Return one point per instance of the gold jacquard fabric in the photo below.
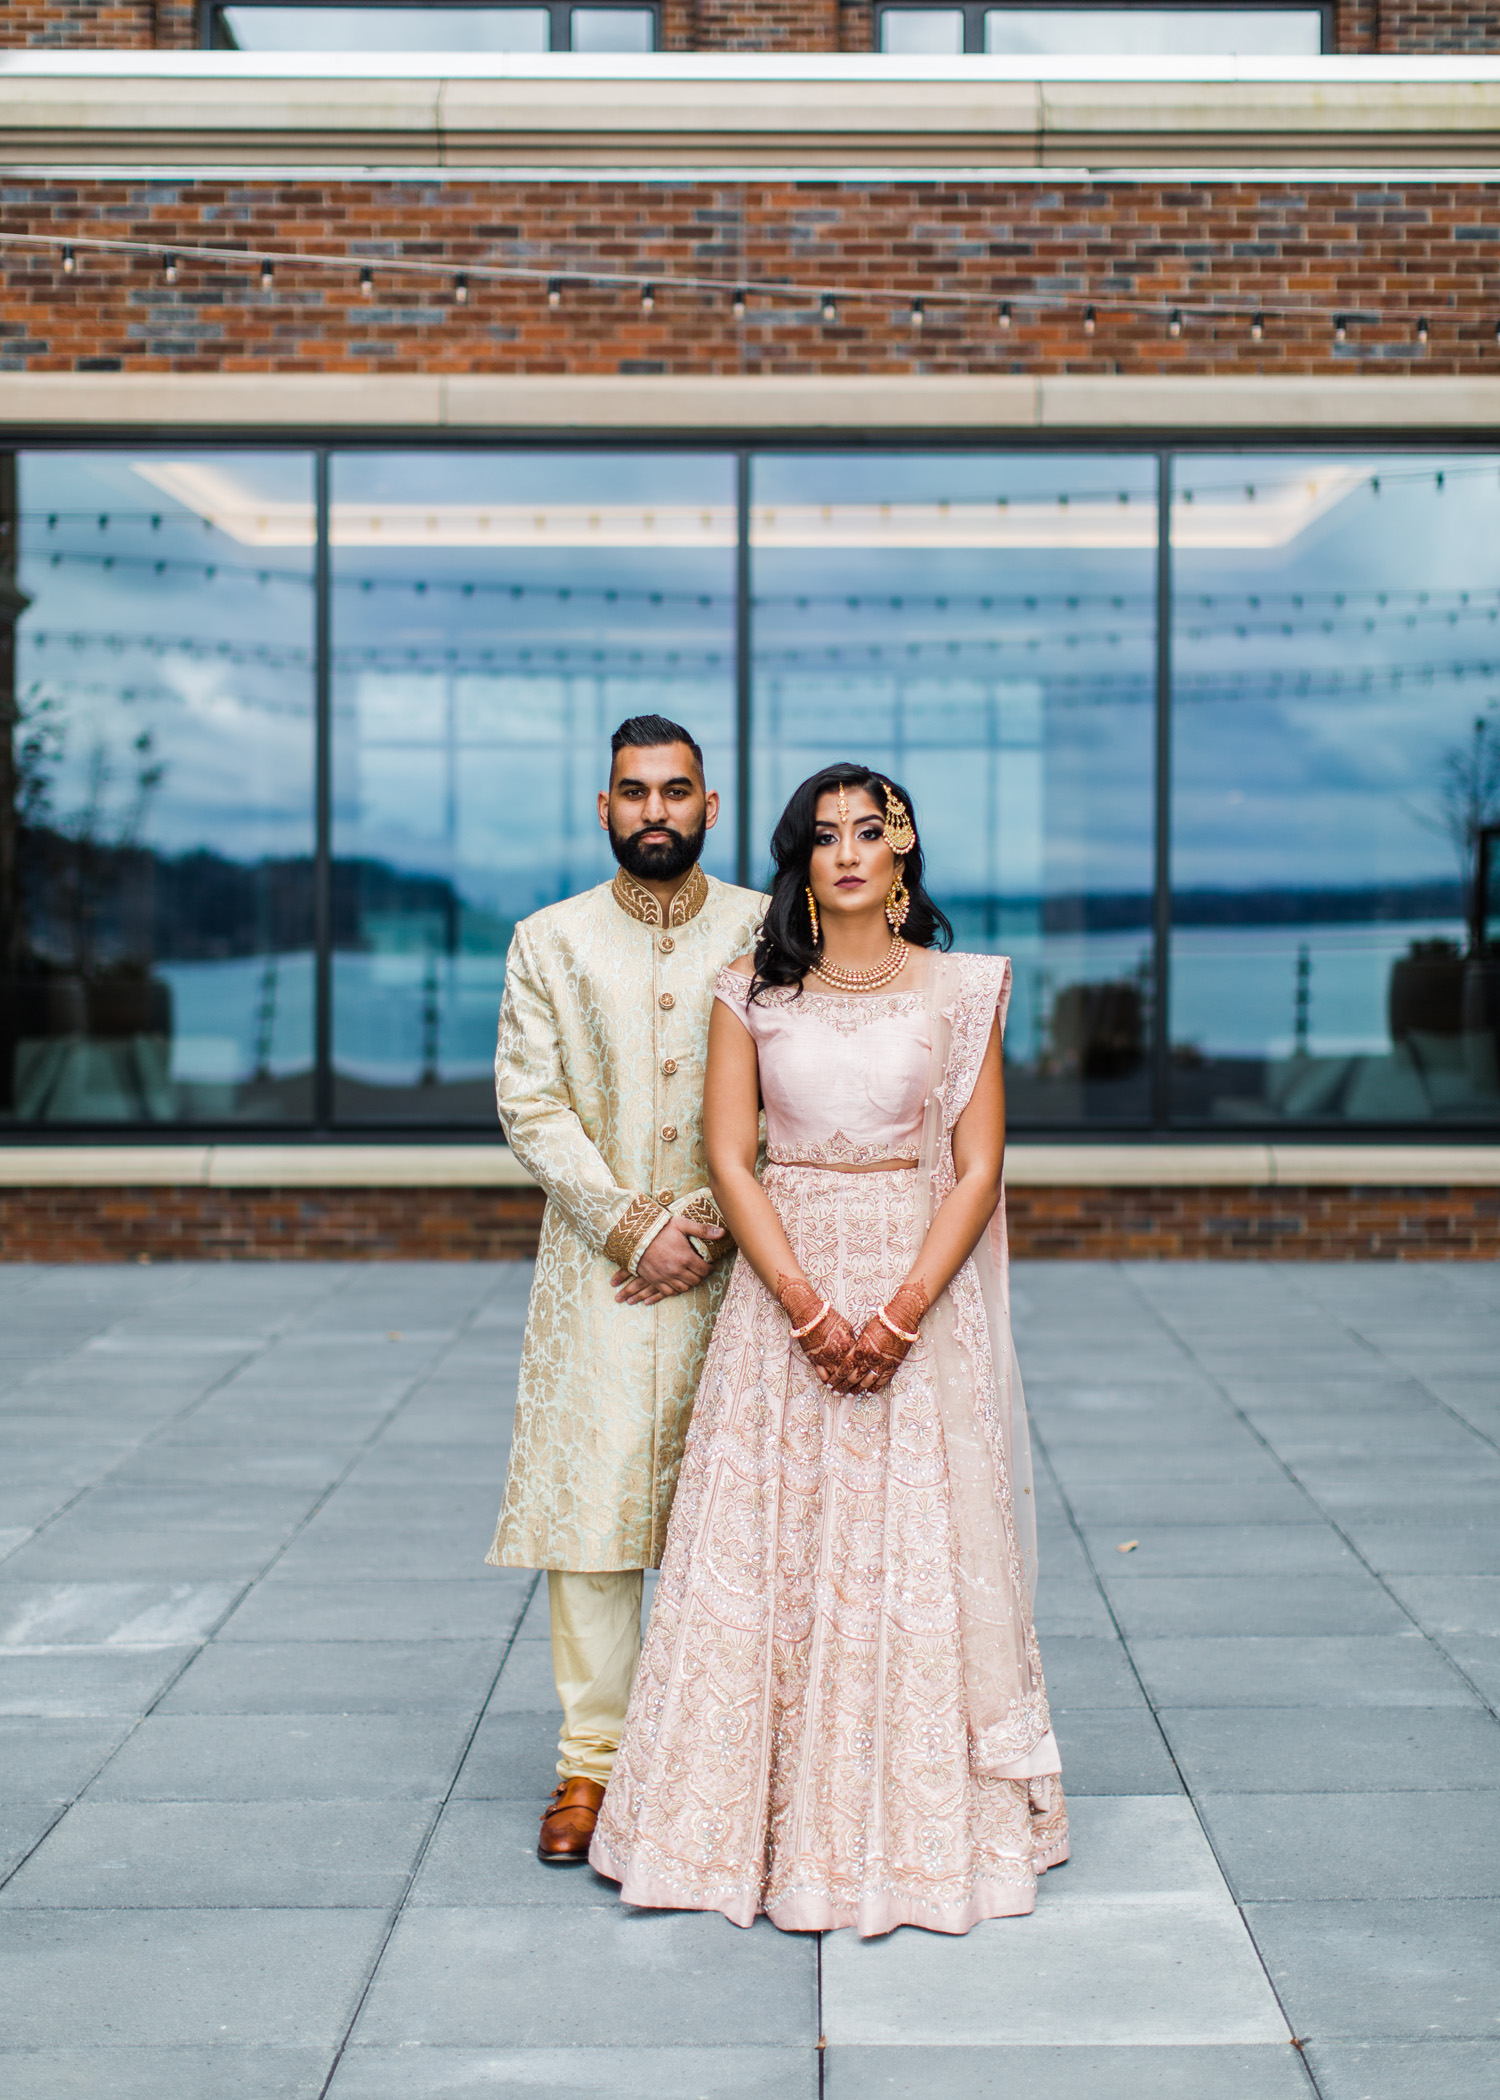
(599, 1078)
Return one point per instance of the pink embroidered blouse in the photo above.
(843, 1076)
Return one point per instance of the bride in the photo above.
(839, 1717)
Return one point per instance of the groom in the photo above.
(599, 1077)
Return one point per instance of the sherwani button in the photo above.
(664, 1197)
(669, 1131)
(666, 1002)
(669, 1065)
(667, 944)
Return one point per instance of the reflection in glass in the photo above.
(922, 32)
(1152, 32)
(156, 814)
(361, 29)
(495, 616)
(984, 626)
(613, 29)
(1337, 756)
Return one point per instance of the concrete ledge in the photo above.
(417, 1166)
(703, 111)
(728, 405)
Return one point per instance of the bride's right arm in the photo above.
(731, 1136)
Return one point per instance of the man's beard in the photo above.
(658, 860)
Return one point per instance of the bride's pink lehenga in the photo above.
(840, 1718)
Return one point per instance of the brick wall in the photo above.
(738, 25)
(1426, 249)
(447, 1224)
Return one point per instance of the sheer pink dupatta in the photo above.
(983, 1407)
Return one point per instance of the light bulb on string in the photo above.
(1174, 321)
(1340, 329)
(1422, 331)
(554, 291)
(1257, 326)
(1090, 320)
(648, 298)
(918, 313)
(267, 276)
(367, 282)
(69, 262)
(830, 310)
(737, 303)
(1003, 317)
(169, 268)
(461, 289)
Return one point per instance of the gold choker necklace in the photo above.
(865, 980)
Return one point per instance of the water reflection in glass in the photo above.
(156, 813)
(1337, 751)
(984, 626)
(495, 616)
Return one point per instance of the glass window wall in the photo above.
(156, 812)
(1336, 665)
(985, 623)
(984, 626)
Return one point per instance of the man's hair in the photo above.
(648, 733)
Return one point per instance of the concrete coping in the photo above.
(493, 1165)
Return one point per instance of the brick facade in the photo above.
(1399, 251)
(735, 25)
(448, 1224)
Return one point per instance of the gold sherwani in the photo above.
(599, 1078)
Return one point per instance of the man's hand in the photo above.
(668, 1267)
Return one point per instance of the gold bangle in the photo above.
(816, 1321)
(887, 1322)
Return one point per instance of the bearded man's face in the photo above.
(657, 812)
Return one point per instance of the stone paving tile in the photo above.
(641, 2073)
(54, 1760)
(79, 1683)
(286, 1757)
(477, 1609)
(1405, 2070)
(1270, 2072)
(256, 2072)
(1451, 1603)
(22, 1825)
(1220, 1549)
(1333, 1749)
(1165, 1605)
(174, 1976)
(256, 1855)
(1112, 1750)
(119, 1614)
(1383, 1971)
(341, 1677)
(484, 1854)
(1289, 1847)
(489, 1976)
(513, 1757)
(1460, 1548)
(1370, 1669)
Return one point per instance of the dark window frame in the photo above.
(1169, 449)
(974, 12)
(561, 12)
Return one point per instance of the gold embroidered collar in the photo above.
(633, 897)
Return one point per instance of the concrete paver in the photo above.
(272, 1740)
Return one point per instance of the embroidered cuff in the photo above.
(642, 1220)
(701, 1209)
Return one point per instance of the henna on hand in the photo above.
(879, 1351)
(829, 1339)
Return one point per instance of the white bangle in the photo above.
(816, 1321)
(889, 1324)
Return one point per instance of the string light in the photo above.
(69, 262)
(461, 290)
(267, 275)
(1090, 320)
(1004, 315)
(830, 309)
(1257, 326)
(1340, 329)
(554, 291)
(648, 298)
(169, 268)
(367, 282)
(1174, 323)
(737, 303)
(918, 313)
(1422, 331)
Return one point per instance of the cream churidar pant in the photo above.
(596, 1646)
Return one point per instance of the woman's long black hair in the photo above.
(786, 951)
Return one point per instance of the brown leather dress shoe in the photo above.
(568, 1823)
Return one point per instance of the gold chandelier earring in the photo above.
(897, 903)
(812, 913)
